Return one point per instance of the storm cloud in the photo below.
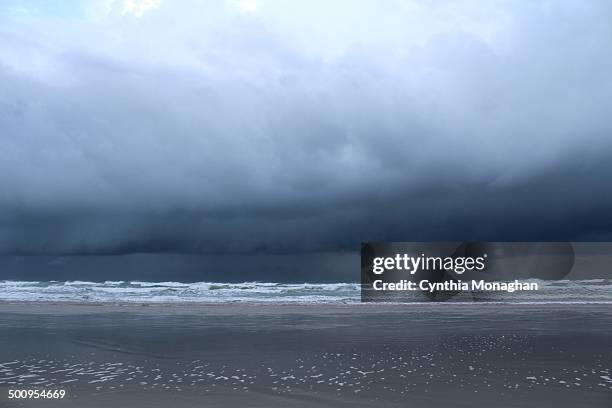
(268, 127)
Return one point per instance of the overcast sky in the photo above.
(270, 126)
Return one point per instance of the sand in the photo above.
(333, 355)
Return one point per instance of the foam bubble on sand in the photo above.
(381, 371)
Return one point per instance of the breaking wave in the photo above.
(214, 292)
(576, 291)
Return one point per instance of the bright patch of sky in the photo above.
(44, 8)
(76, 9)
(319, 27)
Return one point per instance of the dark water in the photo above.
(414, 355)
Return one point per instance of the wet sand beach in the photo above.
(309, 355)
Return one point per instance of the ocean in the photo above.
(574, 291)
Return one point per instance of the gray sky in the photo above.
(262, 126)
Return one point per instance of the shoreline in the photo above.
(79, 307)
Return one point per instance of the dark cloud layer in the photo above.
(321, 267)
(233, 136)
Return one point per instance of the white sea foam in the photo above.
(139, 291)
(584, 291)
